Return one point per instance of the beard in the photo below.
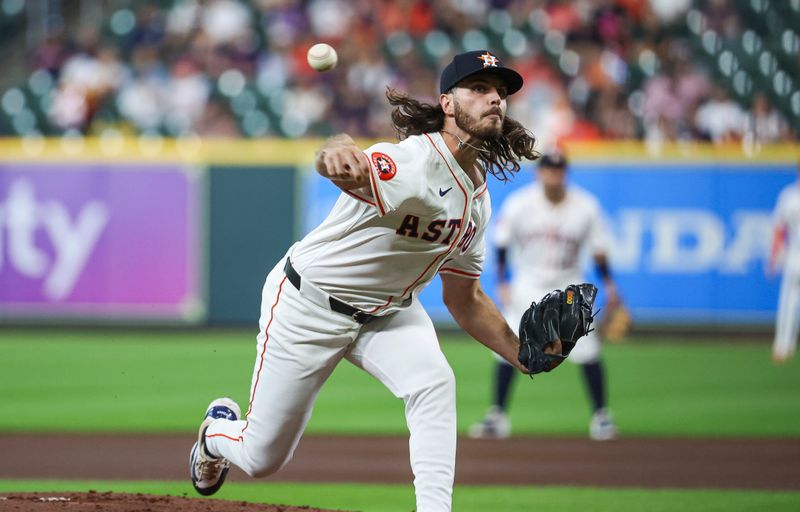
(470, 125)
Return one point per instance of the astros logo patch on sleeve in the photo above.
(385, 166)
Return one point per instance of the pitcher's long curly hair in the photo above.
(413, 117)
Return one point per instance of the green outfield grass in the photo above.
(396, 498)
(160, 381)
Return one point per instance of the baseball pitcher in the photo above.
(348, 290)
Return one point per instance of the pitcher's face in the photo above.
(479, 106)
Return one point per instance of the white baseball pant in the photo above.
(300, 342)
(788, 316)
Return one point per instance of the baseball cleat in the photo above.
(495, 425)
(602, 427)
(209, 472)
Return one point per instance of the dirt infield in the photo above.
(121, 502)
(643, 462)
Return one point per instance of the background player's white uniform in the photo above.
(547, 246)
(787, 216)
(375, 251)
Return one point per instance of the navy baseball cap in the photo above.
(553, 159)
(467, 64)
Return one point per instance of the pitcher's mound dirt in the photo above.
(121, 502)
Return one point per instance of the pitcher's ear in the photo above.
(446, 102)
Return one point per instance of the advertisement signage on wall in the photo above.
(100, 241)
(690, 240)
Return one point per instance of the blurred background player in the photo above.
(542, 232)
(786, 253)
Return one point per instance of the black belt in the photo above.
(336, 305)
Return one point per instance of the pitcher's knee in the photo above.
(263, 464)
(442, 382)
(447, 378)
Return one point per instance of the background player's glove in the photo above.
(616, 323)
(560, 315)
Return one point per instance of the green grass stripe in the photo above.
(113, 380)
(393, 498)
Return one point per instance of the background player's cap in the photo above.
(467, 64)
(554, 158)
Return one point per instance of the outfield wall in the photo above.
(185, 231)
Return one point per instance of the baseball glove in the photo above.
(560, 316)
(616, 323)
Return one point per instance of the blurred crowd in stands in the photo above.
(603, 69)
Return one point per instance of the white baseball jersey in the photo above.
(787, 213)
(381, 245)
(546, 242)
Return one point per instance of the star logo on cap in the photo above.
(488, 59)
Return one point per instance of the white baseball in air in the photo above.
(322, 57)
